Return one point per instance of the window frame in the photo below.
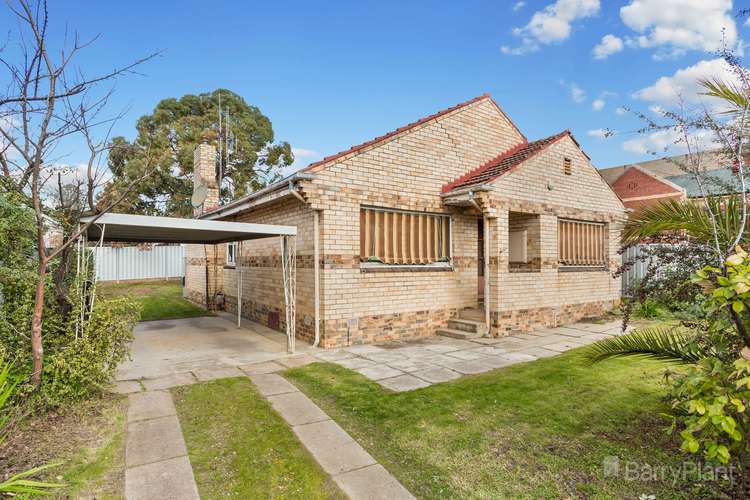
(438, 265)
(604, 250)
(233, 261)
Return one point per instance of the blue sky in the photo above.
(333, 74)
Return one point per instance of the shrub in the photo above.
(83, 346)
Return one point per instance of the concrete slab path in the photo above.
(406, 366)
(354, 470)
(156, 461)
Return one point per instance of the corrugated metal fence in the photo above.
(138, 263)
(639, 268)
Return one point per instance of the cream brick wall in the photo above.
(539, 186)
(405, 173)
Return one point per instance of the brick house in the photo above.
(426, 223)
(647, 183)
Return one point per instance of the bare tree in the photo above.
(48, 102)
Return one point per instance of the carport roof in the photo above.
(152, 229)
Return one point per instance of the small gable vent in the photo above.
(567, 166)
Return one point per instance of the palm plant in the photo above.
(19, 484)
(662, 343)
(717, 219)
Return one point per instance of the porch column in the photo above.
(497, 262)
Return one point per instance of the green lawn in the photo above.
(240, 447)
(543, 429)
(158, 299)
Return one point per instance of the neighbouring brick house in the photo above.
(647, 183)
(413, 228)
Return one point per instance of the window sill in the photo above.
(377, 267)
(230, 266)
(577, 269)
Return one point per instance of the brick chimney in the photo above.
(204, 173)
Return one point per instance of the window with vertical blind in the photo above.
(403, 237)
(581, 243)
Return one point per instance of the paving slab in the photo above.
(378, 372)
(540, 352)
(206, 374)
(466, 355)
(332, 447)
(403, 383)
(296, 408)
(411, 365)
(565, 345)
(154, 440)
(387, 357)
(517, 357)
(595, 337)
(261, 368)
(147, 405)
(372, 483)
(355, 363)
(169, 480)
(270, 384)
(571, 332)
(470, 367)
(513, 344)
(488, 350)
(436, 375)
(333, 355)
(486, 340)
(297, 361)
(442, 348)
(174, 380)
(360, 350)
(126, 387)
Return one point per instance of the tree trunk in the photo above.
(37, 351)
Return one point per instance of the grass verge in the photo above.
(158, 299)
(88, 440)
(545, 429)
(240, 447)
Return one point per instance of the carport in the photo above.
(126, 228)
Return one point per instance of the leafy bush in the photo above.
(710, 406)
(83, 346)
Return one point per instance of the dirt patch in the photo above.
(73, 437)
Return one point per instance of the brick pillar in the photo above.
(204, 173)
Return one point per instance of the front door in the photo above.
(480, 261)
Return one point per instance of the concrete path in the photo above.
(354, 470)
(405, 366)
(156, 461)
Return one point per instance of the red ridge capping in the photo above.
(399, 130)
(504, 162)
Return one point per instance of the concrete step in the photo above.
(467, 325)
(457, 334)
(472, 315)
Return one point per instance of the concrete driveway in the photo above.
(168, 347)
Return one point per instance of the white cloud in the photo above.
(518, 6)
(675, 26)
(551, 25)
(610, 44)
(600, 133)
(302, 158)
(620, 111)
(667, 140)
(682, 86)
(576, 92)
(598, 104)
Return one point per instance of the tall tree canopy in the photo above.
(248, 159)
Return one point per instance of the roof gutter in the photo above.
(467, 190)
(253, 199)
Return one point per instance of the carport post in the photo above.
(238, 253)
(289, 273)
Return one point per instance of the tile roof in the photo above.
(405, 128)
(715, 183)
(503, 163)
